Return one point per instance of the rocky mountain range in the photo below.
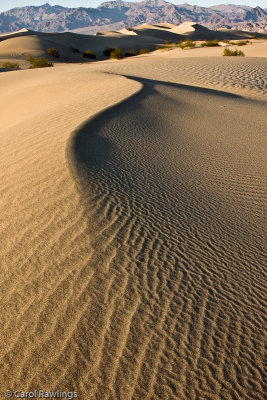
(118, 14)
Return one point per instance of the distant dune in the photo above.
(189, 27)
(133, 220)
(72, 45)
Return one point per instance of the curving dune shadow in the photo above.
(166, 185)
(89, 147)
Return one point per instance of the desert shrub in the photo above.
(130, 53)
(108, 51)
(226, 41)
(39, 62)
(228, 52)
(116, 54)
(53, 52)
(210, 43)
(10, 65)
(242, 42)
(179, 42)
(254, 37)
(144, 51)
(159, 47)
(168, 42)
(187, 43)
(89, 54)
(75, 50)
(190, 44)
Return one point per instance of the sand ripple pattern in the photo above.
(245, 76)
(140, 276)
(177, 226)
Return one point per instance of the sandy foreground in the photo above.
(133, 226)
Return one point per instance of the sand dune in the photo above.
(21, 32)
(186, 27)
(68, 43)
(133, 226)
(126, 31)
(240, 75)
(72, 45)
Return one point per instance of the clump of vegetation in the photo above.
(242, 42)
(130, 53)
(228, 52)
(254, 37)
(190, 44)
(116, 54)
(226, 41)
(39, 62)
(168, 42)
(108, 51)
(210, 43)
(53, 52)
(75, 50)
(144, 51)
(159, 47)
(10, 65)
(89, 54)
(187, 43)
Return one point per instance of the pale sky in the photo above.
(8, 4)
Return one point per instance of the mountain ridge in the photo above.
(120, 14)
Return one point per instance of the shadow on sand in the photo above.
(90, 149)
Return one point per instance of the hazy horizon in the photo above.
(9, 4)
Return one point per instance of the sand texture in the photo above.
(133, 228)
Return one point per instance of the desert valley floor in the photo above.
(133, 227)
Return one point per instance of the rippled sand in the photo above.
(133, 225)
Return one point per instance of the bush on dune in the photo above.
(117, 54)
(10, 65)
(187, 43)
(238, 53)
(130, 53)
(53, 52)
(210, 43)
(108, 51)
(89, 54)
(144, 51)
(242, 42)
(39, 62)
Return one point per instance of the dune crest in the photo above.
(189, 26)
(133, 225)
(126, 31)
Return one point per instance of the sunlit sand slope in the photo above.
(44, 276)
(133, 226)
